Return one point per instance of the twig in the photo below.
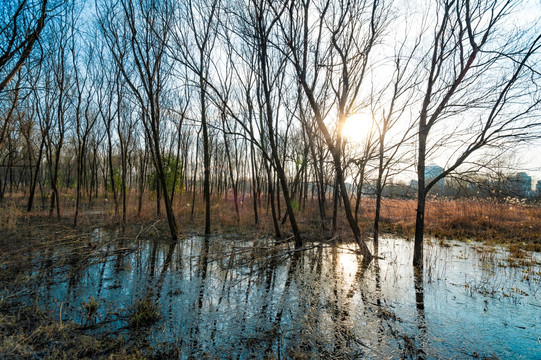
(142, 228)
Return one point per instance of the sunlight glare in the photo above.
(357, 128)
(350, 264)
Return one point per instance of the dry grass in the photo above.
(509, 222)
(505, 223)
(28, 333)
(9, 215)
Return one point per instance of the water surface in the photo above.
(227, 298)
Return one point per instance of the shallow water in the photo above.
(227, 298)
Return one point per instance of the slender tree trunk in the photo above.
(318, 170)
(206, 152)
(255, 181)
(111, 169)
(124, 190)
(35, 177)
(194, 183)
(270, 192)
(78, 187)
(336, 194)
(143, 162)
(278, 165)
(421, 201)
(158, 197)
(154, 122)
(379, 190)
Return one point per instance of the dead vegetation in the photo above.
(507, 223)
(500, 222)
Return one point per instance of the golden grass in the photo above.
(10, 214)
(510, 222)
(477, 219)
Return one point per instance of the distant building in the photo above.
(431, 172)
(520, 185)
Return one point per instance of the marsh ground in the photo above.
(103, 291)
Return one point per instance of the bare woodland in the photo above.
(249, 101)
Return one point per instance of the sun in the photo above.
(357, 128)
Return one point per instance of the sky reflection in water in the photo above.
(229, 298)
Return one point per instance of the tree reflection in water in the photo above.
(227, 298)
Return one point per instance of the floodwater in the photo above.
(224, 298)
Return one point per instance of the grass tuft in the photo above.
(145, 313)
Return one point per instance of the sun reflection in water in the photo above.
(349, 264)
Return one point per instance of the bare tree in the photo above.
(85, 115)
(263, 22)
(481, 72)
(193, 45)
(21, 25)
(61, 84)
(138, 44)
(390, 109)
(329, 52)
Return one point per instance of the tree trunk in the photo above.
(35, 177)
(379, 190)
(421, 201)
